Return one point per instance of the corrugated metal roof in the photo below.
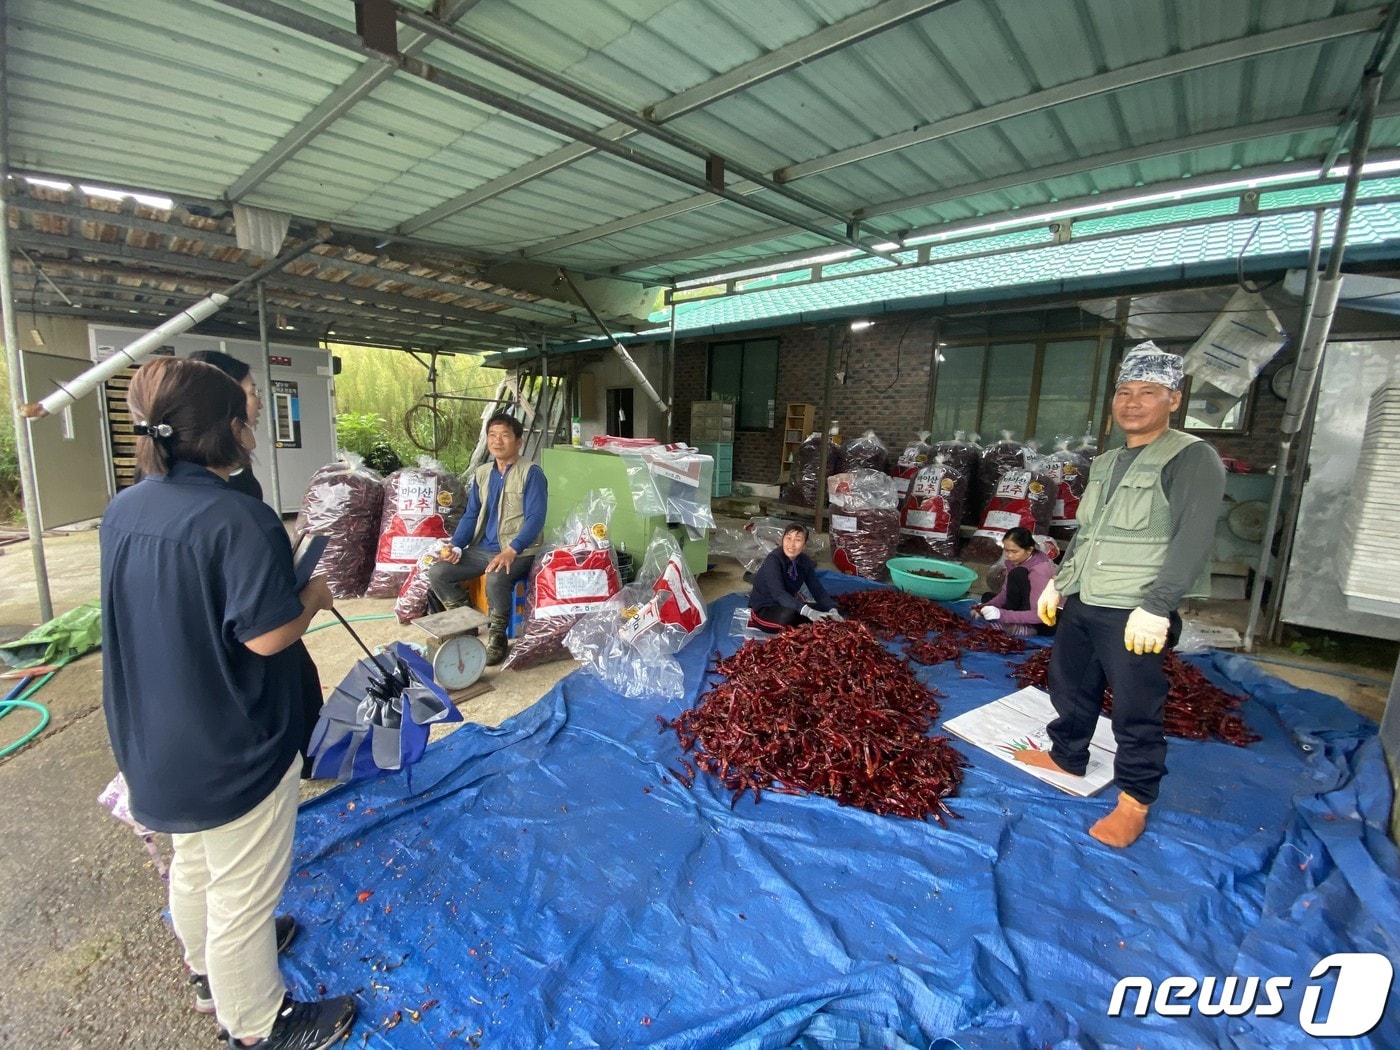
(504, 128)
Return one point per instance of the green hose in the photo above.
(6, 706)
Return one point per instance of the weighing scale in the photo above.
(456, 653)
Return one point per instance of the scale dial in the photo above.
(459, 661)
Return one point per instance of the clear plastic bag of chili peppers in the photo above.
(1087, 446)
(576, 573)
(965, 455)
(864, 522)
(412, 601)
(910, 462)
(801, 489)
(823, 709)
(422, 506)
(869, 452)
(1071, 473)
(344, 501)
(997, 458)
(930, 514)
(1024, 498)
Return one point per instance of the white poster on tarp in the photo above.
(1239, 342)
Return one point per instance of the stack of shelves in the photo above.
(711, 421)
(800, 421)
(722, 452)
(120, 439)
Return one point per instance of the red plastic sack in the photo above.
(1024, 498)
(422, 506)
(932, 511)
(965, 456)
(1071, 473)
(910, 462)
(575, 580)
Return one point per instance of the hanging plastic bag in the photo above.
(345, 502)
(412, 601)
(864, 522)
(422, 506)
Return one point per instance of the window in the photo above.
(747, 373)
(1043, 389)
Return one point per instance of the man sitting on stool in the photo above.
(499, 533)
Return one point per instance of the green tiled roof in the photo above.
(1025, 261)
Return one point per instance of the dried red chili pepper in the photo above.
(1196, 708)
(825, 709)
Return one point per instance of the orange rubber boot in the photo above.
(1123, 826)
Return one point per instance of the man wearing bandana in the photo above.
(1146, 524)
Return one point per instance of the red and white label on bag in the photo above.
(926, 512)
(675, 602)
(1010, 507)
(574, 580)
(417, 496)
(402, 544)
(1066, 511)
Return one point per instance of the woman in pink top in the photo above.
(1027, 572)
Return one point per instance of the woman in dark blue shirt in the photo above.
(776, 600)
(201, 689)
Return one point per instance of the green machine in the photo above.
(572, 472)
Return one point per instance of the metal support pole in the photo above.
(24, 446)
(671, 380)
(824, 434)
(1256, 597)
(271, 403)
(547, 426)
(619, 349)
(1319, 325)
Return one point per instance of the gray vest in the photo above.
(1122, 543)
(511, 508)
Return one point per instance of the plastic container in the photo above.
(959, 577)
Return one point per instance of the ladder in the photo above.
(541, 404)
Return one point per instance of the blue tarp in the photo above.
(550, 885)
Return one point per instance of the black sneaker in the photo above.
(307, 1026)
(286, 927)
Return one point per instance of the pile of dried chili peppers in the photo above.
(1196, 708)
(892, 614)
(824, 709)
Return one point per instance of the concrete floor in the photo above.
(91, 962)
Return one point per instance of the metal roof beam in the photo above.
(1381, 55)
(1115, 80)
(834, 37)
(1175, 65)
(459, 85)
(334, 106)
(331, 291)
(474, 45)
(1081, 166)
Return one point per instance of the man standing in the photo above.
(499, 533)
(1146, 524)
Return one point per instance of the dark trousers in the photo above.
(773, 618)
(446, 579)
(1089, 654)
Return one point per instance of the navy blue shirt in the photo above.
(780, 579)
(202, 727)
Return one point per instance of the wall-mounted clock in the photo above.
(1281, 382)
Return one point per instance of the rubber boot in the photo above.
(1122, 827)
(496, 644)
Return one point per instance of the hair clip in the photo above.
(153, 430)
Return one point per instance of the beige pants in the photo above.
(224, 888)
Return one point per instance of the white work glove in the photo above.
(831, 614)
(991, 613)
(1049, 605)
(810, 613)
(1146, 632)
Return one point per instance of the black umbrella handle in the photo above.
(346, 624)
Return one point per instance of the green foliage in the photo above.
(10, 504)
(377, 388)
(358, 432)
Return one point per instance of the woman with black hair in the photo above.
(776, 600)
(240, 480)
(201, 692)
(1028, 570)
